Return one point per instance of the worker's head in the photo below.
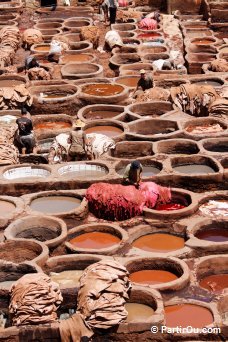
(167, 65)
(24, 111)
(79, 124)
(33, 62)
(142, 73)
(135, 165)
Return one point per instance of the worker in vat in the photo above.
(132, 174)
(77, 141)
(145, 82)
(25, 138)
(31, 62)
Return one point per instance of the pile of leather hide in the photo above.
(15, 97)
(130, 13)
(219, 107)
(9, 43)
(194, 99)
(217, 65)
(31, 36)
(38, 73)
(34, 300)
(92, 34)
(8, 152)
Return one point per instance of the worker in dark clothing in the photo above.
(25, 136)
(111, 7)
(145, 82)
(132, 173)
(31, 62)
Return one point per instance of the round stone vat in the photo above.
(124, 27)
(214, 205)
(11, 80)
(177, 146)
(153, 129)
(196, 166)
(11, 272)
(111, 128)
(74, 25)
(151, 57)
(49, 34)
(208, 234)
(66, 270)
(158, 273)
(99, 112)
(77, 58)
(150, 168)
(50, 230)
(203, 41)
(83, 171)
(58, 98)
(152, 49)
(102, 238)
(145, 308)
(188, 313)
(48, 25)
(103, 93)
(46, 127)
(127, 34)
(150, 109)
(81, 70)
(128, 49)
(10, 208)
(26, 172)
(72, 37)
(42, 48)
(213, 81)
(132, 150)
(134, 69)
(149, 36)
(119, 59)
(129, 81)
(183, 203)
(215, 145)
(153, 241)
(131, 42)
(81, 47)
(200, 128)
(55, 20)
(21, 250)
(212, 273)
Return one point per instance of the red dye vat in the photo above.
(169, 206)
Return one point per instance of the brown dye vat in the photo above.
(203, 42)
(138, 312)
(213, 234)
(185, 315)
(102, 89)
(194, 169)
(52, 125)
(10, 83)
(152, 277)
(129, 81)
(159, 242)
(215, 283)
(17, 255)
(67, 278)
(110, 131)
(55, 96)
(95, 240)
(100, 114)
(75, 58)
(42, 48)
(55, 204)
(39, 233)
(148, 171)
(208, 82)
(6, 208)
(148, 35)
(207, 128)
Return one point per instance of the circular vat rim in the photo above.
(189, 142)
(103, 165)
(34, 89)
(110, 99)
(67, 75)
(104, 122)
(87, 108)
(27, 178)
(217, 195)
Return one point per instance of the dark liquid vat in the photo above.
(213, 234)
(159, 243)
(102, 89)
(110, 131)
(101, 114)
(95, 240)
(6, 208)
(215, 283)
(55, 204)
(185, 315)
(138, 312)
(76, 58)
(194, 169)
(152, 277)
(53, 125)
(38, 233)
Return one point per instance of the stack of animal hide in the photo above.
(194, 99)
(153, 94)
(219, 107)
(30, 37)
(92, 34)
(148, 24)
(38, 74)
(34, 300)
(8, 152)
(62, 41)
(98, 144)
(217, 65)
(14, 98)
(9, 43)
(124, 16)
